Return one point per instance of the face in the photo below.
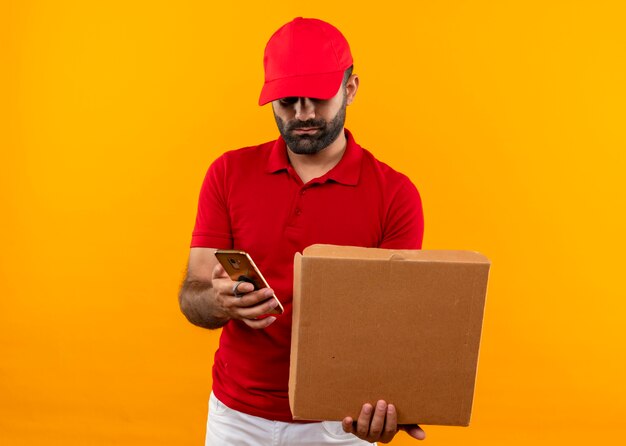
(310, 125)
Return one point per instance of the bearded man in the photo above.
(314, 184)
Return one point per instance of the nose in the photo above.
(305, 109)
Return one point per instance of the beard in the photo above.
(306, 144)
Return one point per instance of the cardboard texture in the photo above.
(399, 325)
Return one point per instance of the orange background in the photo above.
(508, 115)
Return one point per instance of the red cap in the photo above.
(305, 58)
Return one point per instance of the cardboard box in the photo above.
(403, 326)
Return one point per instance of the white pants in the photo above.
(227, 427)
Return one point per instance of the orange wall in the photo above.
(508, 115)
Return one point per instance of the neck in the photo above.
(313, 166)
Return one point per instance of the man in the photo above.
(314, 184)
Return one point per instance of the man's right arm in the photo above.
(197, 296)
(206, 295)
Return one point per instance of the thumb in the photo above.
(414, 431)
(219, 272)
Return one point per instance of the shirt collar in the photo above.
(347, 171)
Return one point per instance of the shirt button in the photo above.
(303, 191)
(298, 211)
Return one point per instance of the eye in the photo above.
(288, 100)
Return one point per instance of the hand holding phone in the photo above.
(241, 268)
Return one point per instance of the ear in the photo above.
(351, 88)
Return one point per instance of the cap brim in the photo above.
(319, 86)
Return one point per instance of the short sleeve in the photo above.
(404, 223)
(212, 228)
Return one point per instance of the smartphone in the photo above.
(240, 267)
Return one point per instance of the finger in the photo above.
(240, 288)
(414, 431)
(259, 324)
(253, 298)
(363, 422)
(224, 291)
(255, 311)
(391, 424)
(378, 420)
(347, 425)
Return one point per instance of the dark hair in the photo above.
(347, 74)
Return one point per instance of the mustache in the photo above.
(306, 124)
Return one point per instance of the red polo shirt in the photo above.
(253, 200)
